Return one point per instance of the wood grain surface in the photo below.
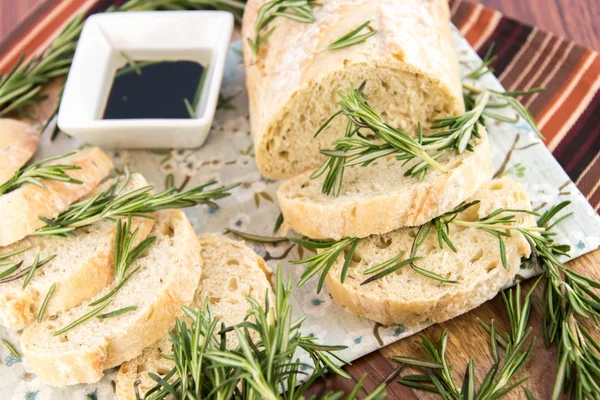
(578, 20)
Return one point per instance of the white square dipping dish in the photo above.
(201, 36)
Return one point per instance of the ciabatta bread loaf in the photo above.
(231, 272)
(83, 265)
(408, 298)
(378, 198)
(410, 65)
(167, 279)
(22, 208)
(18, 142)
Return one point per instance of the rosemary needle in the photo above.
(11, 349)
(40, 316)
(352, 38)
(117, 313)
(83, 319)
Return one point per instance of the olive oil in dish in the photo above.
(155, 89)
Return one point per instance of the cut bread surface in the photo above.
(83, 265)
(231, 272)
(378, 198)
(408, 298)
(18, 142)
(22, 208)
(410, 66)
(168, 276)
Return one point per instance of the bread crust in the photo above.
(173, 265)
(77, 279)
(22, 208)
(327, 217)
(213, 246)
(386, 302)
(18, 142)
(413, 39)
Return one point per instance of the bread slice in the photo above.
(166, 281)
(378, 198)
(231, 272)
(408, 298)
(22, 208)
(410, 65)
(83, 265)
(18, 142)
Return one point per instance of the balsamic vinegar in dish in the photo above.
(155, 89)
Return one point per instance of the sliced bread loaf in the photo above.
(230, 273)
(22, 208)
(408, 298)
(82, 266)
(378, 198)
(18, 142)
(166, 281)
(410, 64)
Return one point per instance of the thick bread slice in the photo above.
(410, 65)
(22, 208)
(407, 298)
(18, 142)
(84, 265)
(231, 272)
(379, 198)
(166, 281)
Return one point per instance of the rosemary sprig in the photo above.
(82, 319)
(21, 87)
(125, 256)
(262, 368)
(485, 67)
(140, 202)
(257, 238)
(296, 10)
(324, 261)
(355, 148)
(116, 313)
(11, 349)
(35, 172)
(497, 381)
(352, 38)
(42, 312)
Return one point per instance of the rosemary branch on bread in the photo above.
(500, 378)
(296, 10)
(353, 37)
(34, 173)
(140, 202)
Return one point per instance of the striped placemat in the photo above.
(568, 111)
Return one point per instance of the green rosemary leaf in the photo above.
(383, 265)
(117, 313)
(132, 64)
(190, 110)
(417, 362)
(42, 312)
(35, 172)
(278, 223)
(31, 271)
(389, 270)
(14, 253)
(82, 319)
(11, 349)
(503, 253)
(257, 238)
(11, 270)
(115, 290)
(429, 274)
(352, 38)
(485, 67)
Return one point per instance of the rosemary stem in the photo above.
(472, 88)
(477, 224)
